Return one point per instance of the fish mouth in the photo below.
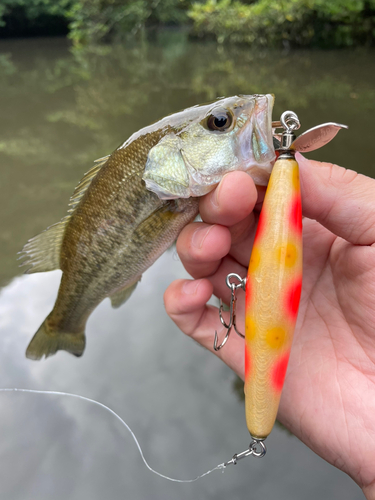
(255, 140)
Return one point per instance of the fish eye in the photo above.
(220, 119)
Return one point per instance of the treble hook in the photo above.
(232, 310)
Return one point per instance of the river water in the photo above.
(60, 111)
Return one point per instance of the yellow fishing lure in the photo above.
(273, 289)
(273, 284)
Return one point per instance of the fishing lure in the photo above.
(273, 283)
(272, 286)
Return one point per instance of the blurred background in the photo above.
(77, 78)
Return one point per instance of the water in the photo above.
(60, 112)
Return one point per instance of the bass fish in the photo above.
(131, 206)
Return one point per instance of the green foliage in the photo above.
(34, 8)
(328, 23)
(94, 20)
(97, 20)
(33, 17)
(323, 23)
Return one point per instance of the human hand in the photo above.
(328, 400)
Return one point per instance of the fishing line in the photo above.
(93, 401)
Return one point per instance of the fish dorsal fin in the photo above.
(42, 253)
(85, 182)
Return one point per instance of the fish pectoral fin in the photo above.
(121, 296)
(47, 342)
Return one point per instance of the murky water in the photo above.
(59, 112)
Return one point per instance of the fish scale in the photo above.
(109, 255)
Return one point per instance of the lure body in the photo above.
(273, 291)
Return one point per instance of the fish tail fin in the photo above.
(47, 342)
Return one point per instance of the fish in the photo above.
(132, 204)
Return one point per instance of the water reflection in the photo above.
(60, 111)
(176, 396)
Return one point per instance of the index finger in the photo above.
(231, 201)
(229, 213)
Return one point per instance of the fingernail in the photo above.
(215, 197)
(301, 159)
(190, 286)
(199, 236)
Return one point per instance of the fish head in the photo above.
(203, 143)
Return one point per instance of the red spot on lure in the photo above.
(248, 292)
(248, 363)
(296, 214)
(278, 372)
(261, 225)
(293, 297)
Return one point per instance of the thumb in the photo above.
(341, 200)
